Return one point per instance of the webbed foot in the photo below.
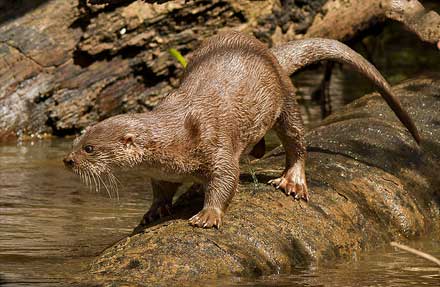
(297, 190)
(208, 217)
(292, 182)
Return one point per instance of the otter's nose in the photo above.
(68, 161)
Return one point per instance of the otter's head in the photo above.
(104, 146)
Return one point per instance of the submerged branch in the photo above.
(416, 252)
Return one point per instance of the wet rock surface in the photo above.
(369, 184)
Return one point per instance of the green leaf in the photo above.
(176, 54)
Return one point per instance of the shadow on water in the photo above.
(2, 280)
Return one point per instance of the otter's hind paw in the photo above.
(297, 190)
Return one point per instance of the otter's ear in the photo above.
(128, 140)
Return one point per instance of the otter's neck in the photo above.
(167, 121)
(172, 135)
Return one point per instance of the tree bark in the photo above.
(343, 20)
(68, 64)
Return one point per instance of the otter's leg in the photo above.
(290, 130)
(218, 193)
(163, 192)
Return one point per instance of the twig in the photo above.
(416, 252)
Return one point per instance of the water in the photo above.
(52, 227)
(384, 266)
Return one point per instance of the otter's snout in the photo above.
(69, 161)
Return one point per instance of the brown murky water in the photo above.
(51, 227)
(50, 224)
(382, 267)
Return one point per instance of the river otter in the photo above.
(233, 91)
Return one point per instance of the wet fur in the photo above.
(233, 91)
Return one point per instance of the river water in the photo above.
(51, 226)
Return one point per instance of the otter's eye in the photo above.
(88, 149)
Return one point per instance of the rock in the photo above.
(369, 184)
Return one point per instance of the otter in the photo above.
(233, 91)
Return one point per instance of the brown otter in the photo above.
(233, 91)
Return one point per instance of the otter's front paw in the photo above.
(290, 187)
(157, 211)
(208, 217)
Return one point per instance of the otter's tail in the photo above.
(298, 54)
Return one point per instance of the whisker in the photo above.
(98, 174)
(89, 181)
(105, 186)
(113, 180)
(81, 176)
(87, 172)
(97, 183)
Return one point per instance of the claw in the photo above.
(306, 197)
(207, 218)
(296, 190)
(293, 182)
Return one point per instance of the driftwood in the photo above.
(67, 64)
(344, 19)
(369, 183)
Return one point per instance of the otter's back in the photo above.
(239, 78)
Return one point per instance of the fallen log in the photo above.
(67, 64)
(369, 184)
(343, 20)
